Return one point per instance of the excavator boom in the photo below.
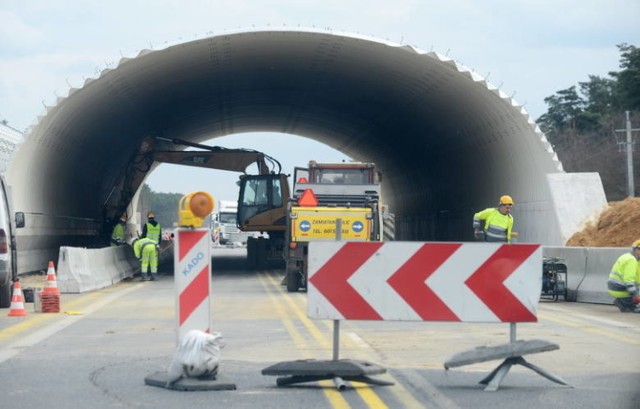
(211, 157)
(217, 157)
(235, 160)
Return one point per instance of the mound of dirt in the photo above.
(617, 226)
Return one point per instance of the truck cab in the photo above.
(224, 224)
(331, 201)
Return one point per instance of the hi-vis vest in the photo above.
(624, 277)
(497, 226)
(141, 244)
(117, 237)
(153, 232)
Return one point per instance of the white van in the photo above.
(8, 252)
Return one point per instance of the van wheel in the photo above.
(5, 295)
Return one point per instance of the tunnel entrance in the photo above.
(449, 142)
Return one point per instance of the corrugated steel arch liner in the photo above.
(448, 142)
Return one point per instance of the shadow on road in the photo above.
(225, 261)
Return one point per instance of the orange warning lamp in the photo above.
(193, 209)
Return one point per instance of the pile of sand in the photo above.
(617, 226)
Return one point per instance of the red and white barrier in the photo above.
(192, 271)
(417, 281)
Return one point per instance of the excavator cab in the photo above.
(262, 207)
(262, 202)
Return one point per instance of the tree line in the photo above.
(581, 123)
(164, 205)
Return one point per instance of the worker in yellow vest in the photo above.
(624, 280)
(145, 251)
(152, 229)
(118, 235)
(495, 224)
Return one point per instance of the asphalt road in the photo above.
(104, 344)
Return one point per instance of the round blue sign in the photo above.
(305, 225)
(357, 227)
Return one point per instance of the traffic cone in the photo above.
(17, 302)
(52, 282)
(50, 302)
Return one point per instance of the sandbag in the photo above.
(197, 356)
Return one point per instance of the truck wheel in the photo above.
(251, 253)
(5, 295)
(293, 281)
(261, 253)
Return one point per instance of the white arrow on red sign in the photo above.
(416, 281)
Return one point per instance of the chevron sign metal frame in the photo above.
(424, 281)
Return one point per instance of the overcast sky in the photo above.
(530, 49)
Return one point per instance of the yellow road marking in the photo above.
(297, 337)
(590, 328)
(333, 396)
(62, 321)
(368, 395)
(300, 313)
(31, 321)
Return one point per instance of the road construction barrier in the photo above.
(415, 281)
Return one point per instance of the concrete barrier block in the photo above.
(67, 282)
(587, 271)
(83, 269)
(123, 260)
(593, 289)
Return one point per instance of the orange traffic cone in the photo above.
(17, 302)
(50, 302)
(52, 282)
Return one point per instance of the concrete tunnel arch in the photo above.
(448, 142)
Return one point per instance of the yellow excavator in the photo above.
(263, 197)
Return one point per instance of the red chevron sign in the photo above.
(417, 281)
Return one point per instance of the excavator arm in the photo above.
(216, 157)
(212, 157)
(236, 160)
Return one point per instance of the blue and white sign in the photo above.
(305, 225)
(357, 227)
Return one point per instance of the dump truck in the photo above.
(330, 201)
